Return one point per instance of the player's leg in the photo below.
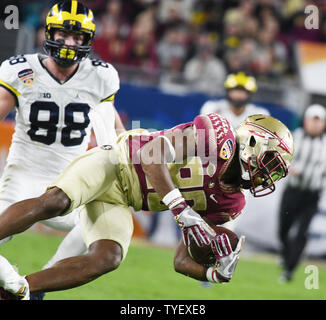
(103, 256)
(62, 223)
(3, 206)
(74, 179)
(107, 230)
(12, 189)
(287, 214)
(91, 176)
(72, 245)
(298, 243)
(85, 178)
(22, 215)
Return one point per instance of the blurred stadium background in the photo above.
(153, 44)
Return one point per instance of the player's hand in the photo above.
(227, 259)
(192, 224)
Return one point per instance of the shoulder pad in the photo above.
(215, 136)
(108, 75)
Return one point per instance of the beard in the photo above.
(238, 103)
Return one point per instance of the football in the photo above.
(6, 295)
(204, 255)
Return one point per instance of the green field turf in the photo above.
(148, 274)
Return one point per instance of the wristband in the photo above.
(173, 198)
(209, 274)
(213, 276)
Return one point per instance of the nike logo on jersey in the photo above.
(212, 196)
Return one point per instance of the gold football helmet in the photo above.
(265, 151)
(70, 16)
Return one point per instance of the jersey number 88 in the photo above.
(49, 126)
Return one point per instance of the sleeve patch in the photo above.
(226, 150)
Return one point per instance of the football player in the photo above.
(240, 88)
(197, 170)
(55, 97)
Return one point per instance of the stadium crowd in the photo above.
(196, 42)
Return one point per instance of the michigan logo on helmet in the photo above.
(266, 150)
(241, 80)
(69, 16)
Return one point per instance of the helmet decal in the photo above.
(270, 135)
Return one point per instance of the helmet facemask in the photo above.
(66, 55)
(264, 171)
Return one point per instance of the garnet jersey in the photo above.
(198, 178)
(52, 118)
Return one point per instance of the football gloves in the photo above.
(192, 224)
(226, 259)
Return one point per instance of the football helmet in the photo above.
(240, 80)
(265, 150)
(70, 16)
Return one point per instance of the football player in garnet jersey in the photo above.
(196, 169)
(56, 97)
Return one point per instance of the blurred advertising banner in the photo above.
(6, 131)
(311, 58)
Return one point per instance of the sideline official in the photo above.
(300, 198)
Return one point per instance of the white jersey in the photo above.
(52, 118)
(222, 107)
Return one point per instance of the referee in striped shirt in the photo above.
(306, 178)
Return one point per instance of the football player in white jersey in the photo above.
(236, 107)
(55, 96)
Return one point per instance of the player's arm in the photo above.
(174, 146)
(223, 269)
(185, 265)
(7, 103)
(154, 156)
(119, 127)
